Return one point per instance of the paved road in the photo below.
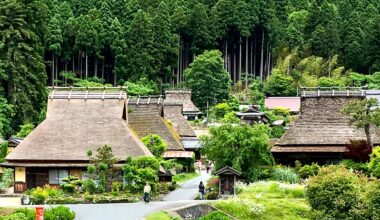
(184, 195)
(188, 190)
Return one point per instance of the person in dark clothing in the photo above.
(201, 190)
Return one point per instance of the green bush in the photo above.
(62, 200)
(374, 163)
(334, 193)
(212, 195)
(59, 213)
(68, 188)
(142, 87)
(222, 109)
(357, 166)
(40, 194)
(172, 186)
(155, 144)
(215, 215)
(284, 174)
(308, 170)
(14, 216)
(6, 179)
(89, 186)
(372, 199)
(30, 214)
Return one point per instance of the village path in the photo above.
(182, 196)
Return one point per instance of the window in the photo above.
(56, 176)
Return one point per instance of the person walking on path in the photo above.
(201, 190)
(147, 190)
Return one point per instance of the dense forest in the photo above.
(48, 42)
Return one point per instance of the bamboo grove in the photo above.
(127, 40)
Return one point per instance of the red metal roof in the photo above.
(291, 103)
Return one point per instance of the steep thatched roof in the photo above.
(175, 97)
(322, 127)
(180, 124)
(147, 118)
(72, 127)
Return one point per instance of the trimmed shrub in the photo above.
(30, 214)
(59, 213)
(89, 186)
(284, 174)
(68, 187)
(335, 193)
(357, 166)
(14, 216)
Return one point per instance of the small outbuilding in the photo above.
(227, 180)
(252, 116)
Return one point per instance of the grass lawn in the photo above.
(160, 216)
(6, 211)
(183, 177)
(268, 201)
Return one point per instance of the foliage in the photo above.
(307, 171)
(155, 144)
(363, 114)
(284, 174)
(221, 109)
(374, 163)
(139, 171)
(207, 78)
(279, 84)
(358, 150)
(277, 131)
(59, 213)
(372, 199)
(267, 200)
(356, 166)
(215, 215)
(142, 87)
(246, 156)
(162, 215)
(30, 214)
(3, 150)
(89, 186)
(40, 194)
(171, 164)
(335, 192)
(257, 94)
(231, 118)
(6, 114)
(25, 130)
(183, 177)
(6, 179)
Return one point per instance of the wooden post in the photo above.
(234, 183)
(220, 179)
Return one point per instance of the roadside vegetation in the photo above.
(183, 177)
(53, 213)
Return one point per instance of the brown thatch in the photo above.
(180, 124)
(321, 124)
(147, 118)
(173, 97)
(72, 127)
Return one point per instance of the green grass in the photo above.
(268, 201)
(183, 177)
(162, 215)
(6, 211)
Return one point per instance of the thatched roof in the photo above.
(175, 97)
(180, 124)
(147, 118)
(72, 127)
(320, 126)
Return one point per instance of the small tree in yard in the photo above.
(242, 147)
(155, 144)
(207, 78)
(364, 114)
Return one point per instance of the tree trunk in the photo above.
(56, 70)
(96, 67)
(234, 57)
(179, 60)
(269, 63)
(73, 64)
(86, 65)
(52, 70)
(368, 135)
(80, 64)
(262, 57)
(246, 62)
(254, 58)
(240, 58)
(115, 75)
(103, 66)
(225, 56)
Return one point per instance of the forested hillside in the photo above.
(43, 42)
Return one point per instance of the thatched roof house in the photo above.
(174, 113)
(321, 131)
(146, 116)
(76, 121)
(183, 96)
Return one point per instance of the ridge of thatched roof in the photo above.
(175, 97)
(180, 124)
(147, 118)
(321, 123)
(72, 127)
